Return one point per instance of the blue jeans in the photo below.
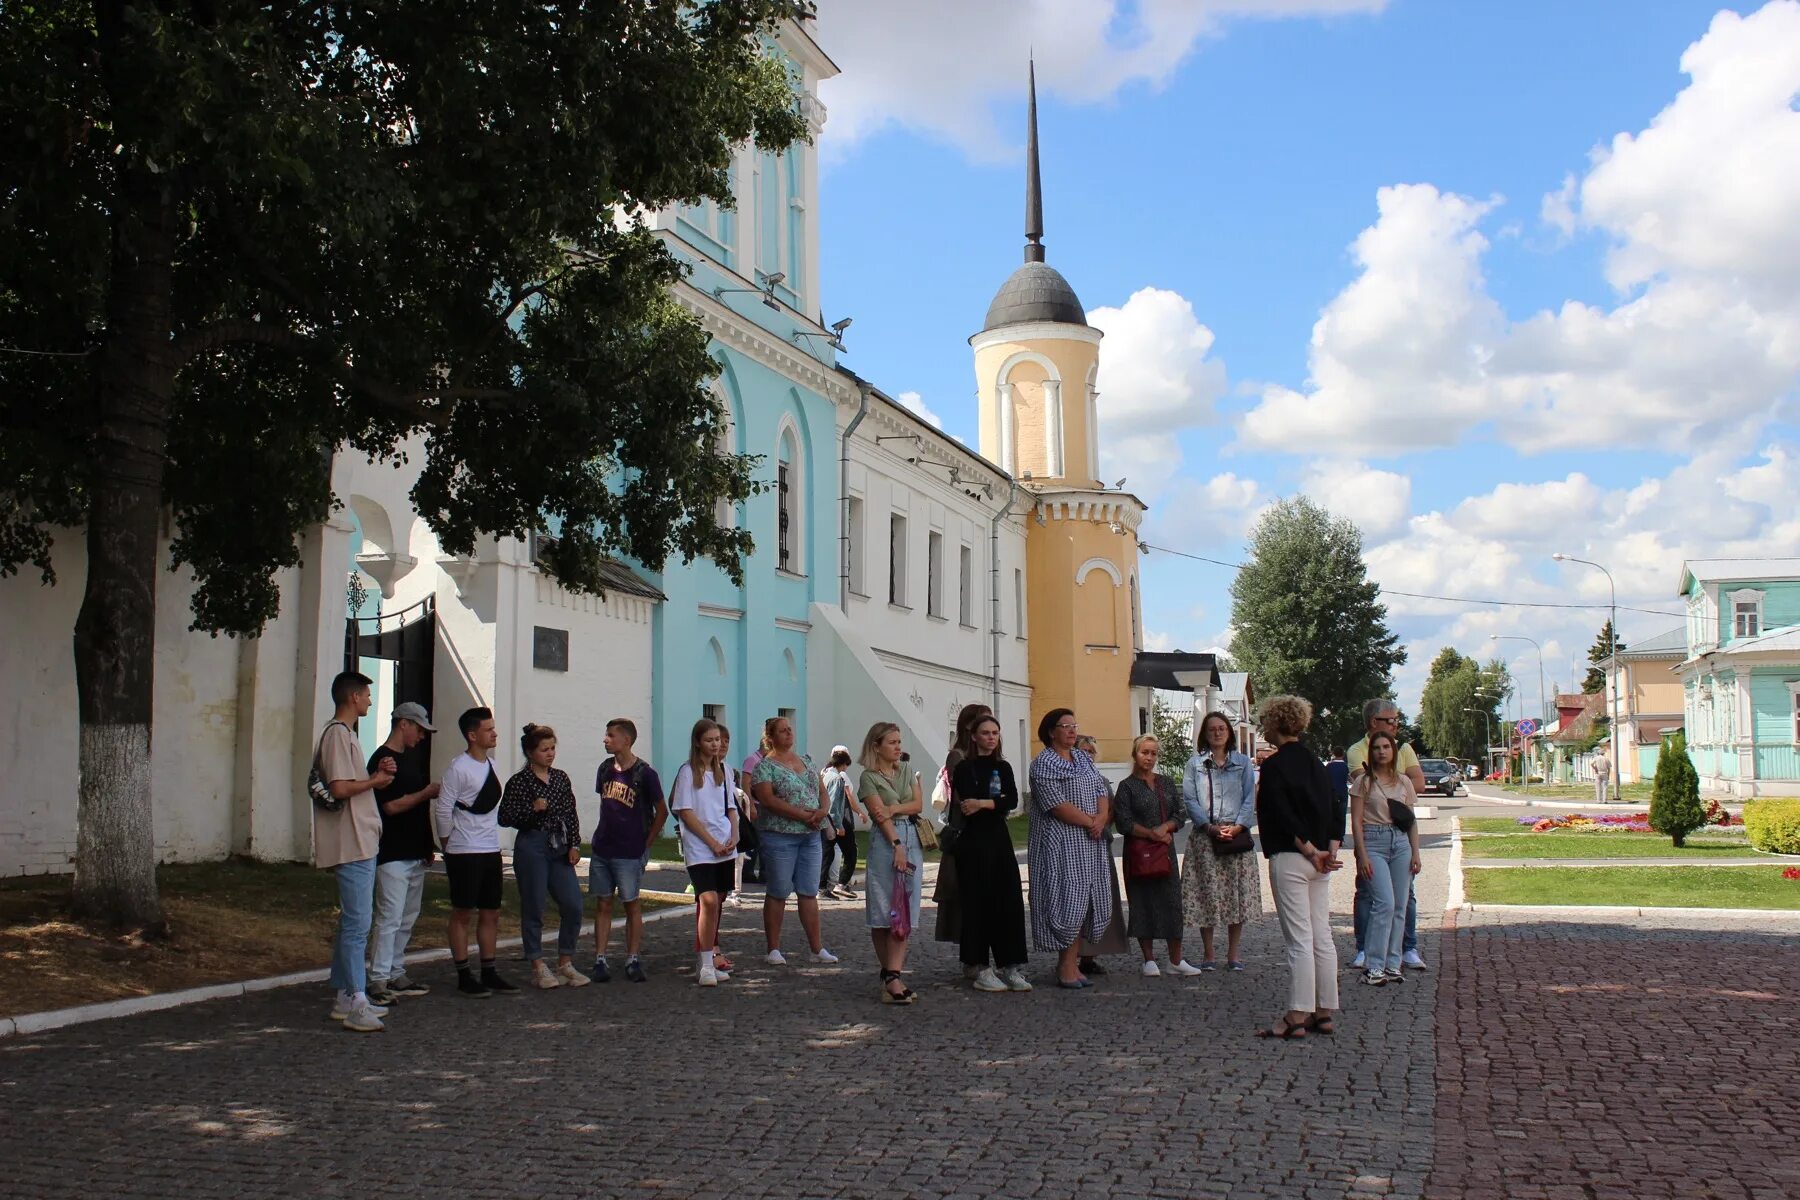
(791, 864)
(1360, 917)
(539, 871)
(356, 902)
(1389, 853)
(624, 876)
(399, 888)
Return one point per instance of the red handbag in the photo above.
(1145, 859)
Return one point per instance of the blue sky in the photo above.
(1497, 374)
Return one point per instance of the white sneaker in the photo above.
(775, 958)
(364, 1017)
(571, 977)
(1184, 967)
(1412, 959)
(1015, 980)
(987, 981)
(1359, 962)
(709, 977)
(542, 977)
(1151, 970)
(345, 1003)
(822, 955)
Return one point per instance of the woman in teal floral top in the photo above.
(792, 808)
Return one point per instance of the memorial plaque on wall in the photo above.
(549, 649)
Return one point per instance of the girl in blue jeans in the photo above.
(1387, 857)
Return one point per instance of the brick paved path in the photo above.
(785, 1082)
(1599, 1060)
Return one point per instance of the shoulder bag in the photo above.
(1147, 860)
(1237, 843)
(317, 786)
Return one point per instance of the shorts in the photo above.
(476, 880)
(790, 864)
(711, 877)
(622, 875)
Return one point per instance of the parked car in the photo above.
(1440, 776)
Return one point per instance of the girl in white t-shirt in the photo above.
(702, 801)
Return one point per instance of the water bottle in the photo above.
(994, 785)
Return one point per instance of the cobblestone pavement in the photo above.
(784, 1082)
(1599, 1059)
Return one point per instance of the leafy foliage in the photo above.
(1675, 807)
(1773, 824)
(406, 229)
(1606, 644)
(1456, 685)
(1308, 620)
(1174, 736)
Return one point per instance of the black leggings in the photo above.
(845, 842)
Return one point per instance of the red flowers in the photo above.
(1791, 873)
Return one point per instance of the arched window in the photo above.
(790, 485)
(725, 512)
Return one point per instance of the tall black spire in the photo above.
(1034, 187)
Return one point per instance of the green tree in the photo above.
(1460, 705)
(1174, 732)
(237, 238)
(1307, 619)
(1605, 646)
(1675, 807)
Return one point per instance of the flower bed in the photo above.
(1623, 822)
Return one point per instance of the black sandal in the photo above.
(903, 996)
(1321, 1025)
(1287, 1031)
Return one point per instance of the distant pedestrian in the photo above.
(1071, 897)
(702, 801)
(1148, 813)
(983, 795)
(1219, 880)
(406, 851)
(539, 802)
(632, 811)
(1296, 813)
(467, 822)
(844, 811)
(345, 842)
(1381, 715)
(791, 808)
(1602, 773)
(947, 893)
(891, 791)
(1386, 837)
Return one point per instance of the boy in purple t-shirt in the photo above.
(632, 809)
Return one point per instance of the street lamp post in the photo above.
(1543, 705)
(1613, 681)
(1487, 719)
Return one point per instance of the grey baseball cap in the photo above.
(414, 712)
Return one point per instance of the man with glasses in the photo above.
(1383, 716)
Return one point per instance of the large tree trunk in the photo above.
(115, 635)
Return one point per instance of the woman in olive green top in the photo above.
(890, 790)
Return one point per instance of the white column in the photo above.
(1003, 397)
(1053, 428)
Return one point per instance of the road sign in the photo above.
(1527, 727)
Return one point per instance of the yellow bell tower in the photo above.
(1037, 364)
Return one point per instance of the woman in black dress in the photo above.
(983, 792)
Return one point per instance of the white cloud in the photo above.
(1195, 515)
(1702, 344)
(1379, 502)
(939, 66)
(1156, 381)
(915, 403)
(1157, 642)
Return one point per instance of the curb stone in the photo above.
(1601, 910)
(61, 1018)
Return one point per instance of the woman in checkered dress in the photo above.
(1071, 896)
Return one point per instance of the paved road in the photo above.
(1579, 1060)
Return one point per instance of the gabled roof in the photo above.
(615, 576)
(1745, 570)
(1672, 644)
(1234, 686)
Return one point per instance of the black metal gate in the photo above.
(408, 639)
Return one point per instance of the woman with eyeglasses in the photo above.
(1071, 896)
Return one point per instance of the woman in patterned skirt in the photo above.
(1219, 786)
(1147, 810)
(1070, 867)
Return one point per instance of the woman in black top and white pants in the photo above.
(1296, 812)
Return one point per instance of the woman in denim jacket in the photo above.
(1219, 788)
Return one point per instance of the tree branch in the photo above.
(412, 405)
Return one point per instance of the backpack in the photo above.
(318, 788)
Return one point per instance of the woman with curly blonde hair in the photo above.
(1296, 812)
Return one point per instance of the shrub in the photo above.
(1773, 825)
(1675, 807)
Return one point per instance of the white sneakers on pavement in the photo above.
(775, 958)
(356, 1013)
(1150, 970)
(1413, 959)
(1184, 967)
(1015, 979)
(709, 977)
(988, 981)
(821, 955)
(542, 977)
(570, 977)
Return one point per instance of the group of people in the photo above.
(380, 820)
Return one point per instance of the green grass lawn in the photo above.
(1567, 843)
(1633, 793)
(1647, 887)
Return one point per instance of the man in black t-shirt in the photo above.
(406, 850)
